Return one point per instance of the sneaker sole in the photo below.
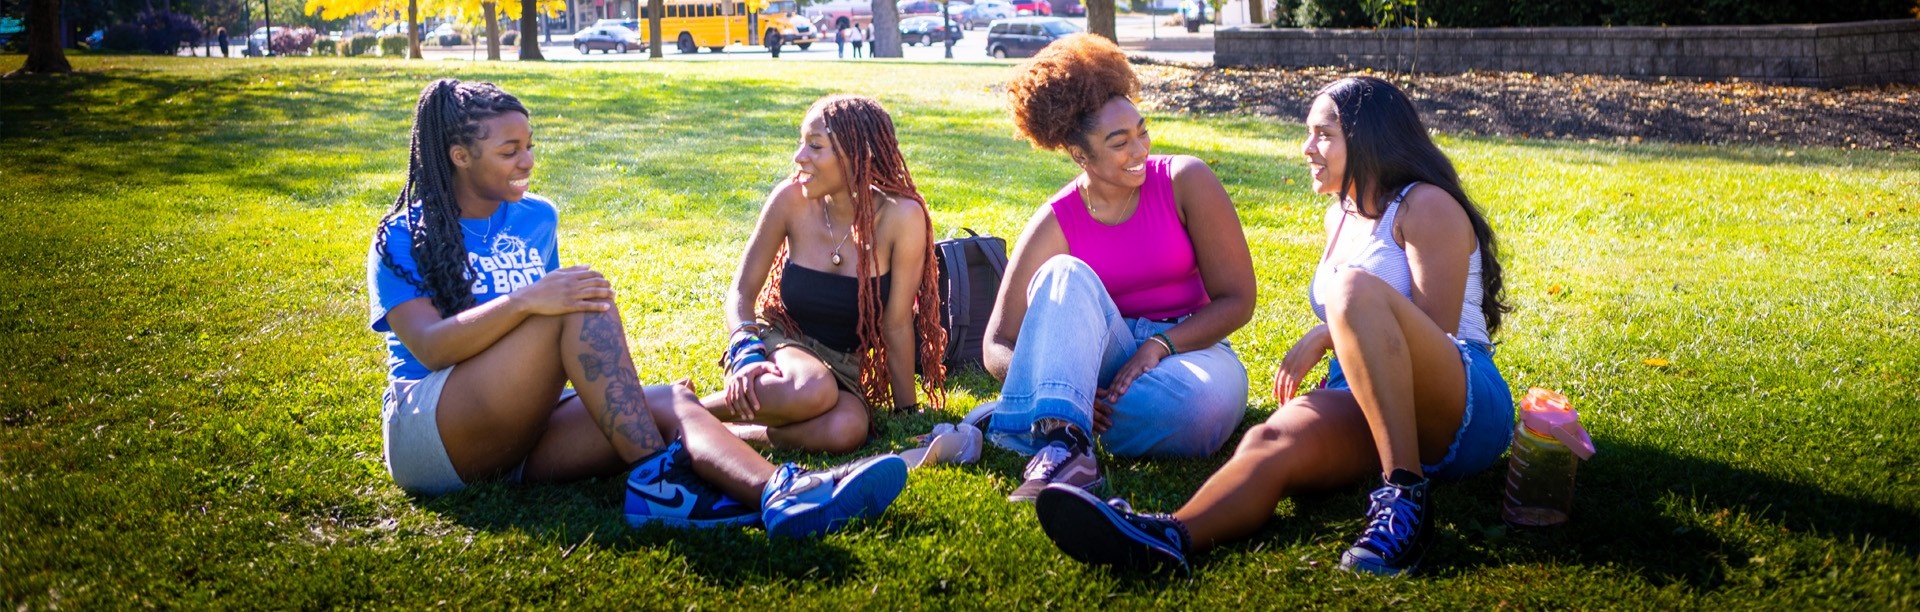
(863, 494)
(1093, 533)
(1348, 562)
(1016, 497)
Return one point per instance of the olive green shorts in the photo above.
(845, 367)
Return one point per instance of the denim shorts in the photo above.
(1486, 426)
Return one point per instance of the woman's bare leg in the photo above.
(1315, 442)
(843, 429)
(496, 405)
(1405, 372)
(804, 389)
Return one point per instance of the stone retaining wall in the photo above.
(1826, 55)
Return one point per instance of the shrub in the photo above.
(393, 45)
(293, 41)
(326, 46)
(164, 33)
(510, 38)
(1331, 14)
(358, 44)
(124, 38)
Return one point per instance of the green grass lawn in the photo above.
(189, 394)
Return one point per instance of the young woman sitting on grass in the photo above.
(1113, 317)
(1409, 290)
(842, 264)
(484, 329)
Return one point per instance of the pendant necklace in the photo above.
(828, 216)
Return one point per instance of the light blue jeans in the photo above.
(1071, 344)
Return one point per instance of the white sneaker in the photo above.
(948, 443)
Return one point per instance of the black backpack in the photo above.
(970, 271)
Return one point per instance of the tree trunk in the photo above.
(530, 31)
(655, 8)
(884, 40)
(1257, 11)
(1100, 18)
(493, 30)
(44, 55)
(413, 29)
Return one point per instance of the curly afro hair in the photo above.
(1056, 97)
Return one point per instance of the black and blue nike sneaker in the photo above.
(663, 490)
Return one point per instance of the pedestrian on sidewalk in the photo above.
(840, 39)
(221, 34)
(858, 39)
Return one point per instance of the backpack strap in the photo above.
(959, 293)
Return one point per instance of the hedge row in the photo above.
(1547, 13)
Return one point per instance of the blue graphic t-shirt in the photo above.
(510, 250)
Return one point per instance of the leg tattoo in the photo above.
(625, 416)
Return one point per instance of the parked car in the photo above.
(919, 7)
(1074, 9)
(833, 16)
(257, 41)
(985, 12)
(445, 35)
(1025, 36)
(631, 24)
(397, 27)
(924, 30)
(1035, 8)
(607, 38)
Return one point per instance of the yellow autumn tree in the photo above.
(486, 13)
(471, 12)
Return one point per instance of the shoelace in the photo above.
(1047, 460)
(1392, 527)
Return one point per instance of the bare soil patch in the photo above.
(1570, 106)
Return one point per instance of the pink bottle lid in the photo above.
(1546, 413)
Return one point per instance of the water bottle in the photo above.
(1548, 445)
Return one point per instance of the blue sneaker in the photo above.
(1110, 533)
(1397, 532)
(799, 503)
(663, 490)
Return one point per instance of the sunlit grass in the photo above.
(189, 393)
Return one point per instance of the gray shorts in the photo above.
(409, 422)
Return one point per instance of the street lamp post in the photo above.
(946, 14)
(268, 5)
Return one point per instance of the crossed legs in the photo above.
(801, 408)
(499, 410)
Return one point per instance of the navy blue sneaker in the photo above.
(799, 503)
(1110, 533)
(662, 489)
(1397, 528)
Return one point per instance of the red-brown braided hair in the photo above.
(863, 140)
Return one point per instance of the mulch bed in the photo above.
(1570, 106)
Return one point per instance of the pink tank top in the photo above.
(1146, 262)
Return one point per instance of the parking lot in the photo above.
(1136, 32)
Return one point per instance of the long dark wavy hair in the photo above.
(864, 141)
(1388, 148)
(449, 114)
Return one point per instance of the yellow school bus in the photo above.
(688, 25)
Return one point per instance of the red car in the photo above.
(1033, 7)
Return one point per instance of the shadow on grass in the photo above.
(577, 516)
(1638, 507)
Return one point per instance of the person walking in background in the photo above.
(858, 39)
(221, 35)
(840, 40)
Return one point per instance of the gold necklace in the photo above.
(828, 216)
(1091, 210)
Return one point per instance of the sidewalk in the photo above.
(1161, 33)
